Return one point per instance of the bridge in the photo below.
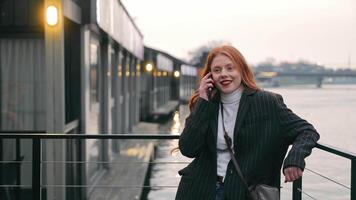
(319, 76)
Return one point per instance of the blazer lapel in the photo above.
(241, 113)
(214, 126)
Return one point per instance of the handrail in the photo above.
(5, 132)
(336, 151)
(97, 162)
(89, 136)
(297, 185)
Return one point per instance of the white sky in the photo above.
(320, 31)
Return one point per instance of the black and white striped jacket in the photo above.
(264, 129)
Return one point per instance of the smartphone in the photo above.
(209, 93)
(210, 90)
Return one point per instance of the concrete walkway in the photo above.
(167, 108)
(128, 169)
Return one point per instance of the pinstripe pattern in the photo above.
(264, 129)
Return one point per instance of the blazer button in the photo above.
(231, 171)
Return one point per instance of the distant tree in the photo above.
(198, 56)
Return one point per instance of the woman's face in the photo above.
(225, 74)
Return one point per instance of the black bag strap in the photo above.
(229, 145)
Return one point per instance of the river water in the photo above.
(332, 111)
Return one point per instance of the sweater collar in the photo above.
(232, 97)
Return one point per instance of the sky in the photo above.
(319, 31)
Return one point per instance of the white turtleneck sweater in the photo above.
(231, 105)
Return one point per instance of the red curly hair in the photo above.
(247, 78)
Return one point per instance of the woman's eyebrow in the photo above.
(229, 64)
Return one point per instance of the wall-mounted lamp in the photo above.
(176, 74)
(149, 67)
(52, 15)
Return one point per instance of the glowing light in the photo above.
(176, 74)
(176, 123)
(268, 74)
(52, 15)
(149, 67)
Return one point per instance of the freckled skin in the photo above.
(225, 74)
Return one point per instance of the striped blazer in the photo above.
(264, 129)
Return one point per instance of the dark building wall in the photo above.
(72, 70)
(21, 13)
(21, 19)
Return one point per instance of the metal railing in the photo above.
(297, 185)
(36, 158)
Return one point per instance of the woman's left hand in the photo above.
(292, 173)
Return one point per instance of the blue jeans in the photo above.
(219, 191)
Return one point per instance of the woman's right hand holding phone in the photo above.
(206, 83)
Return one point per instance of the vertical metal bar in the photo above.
(36, 169)
(18, 168)
(297, 195)
(353, 179)
(1, 158)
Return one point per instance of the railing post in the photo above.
(353, 179)
(36, 169)
(297, 184)
(18, 168)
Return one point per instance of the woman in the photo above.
(258, 122)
